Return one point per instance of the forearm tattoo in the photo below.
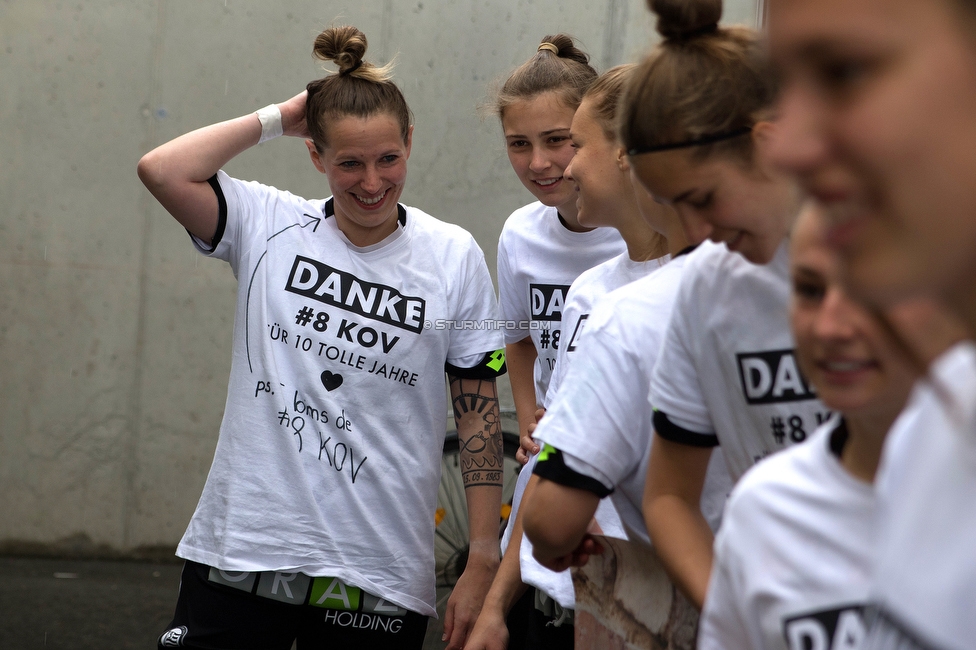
(479, 431)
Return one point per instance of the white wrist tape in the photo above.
(270, 118)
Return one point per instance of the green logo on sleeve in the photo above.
(497, 360)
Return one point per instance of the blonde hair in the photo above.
(358, 88)
(605, 94)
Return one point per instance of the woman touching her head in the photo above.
(315, 521)
(878, 116)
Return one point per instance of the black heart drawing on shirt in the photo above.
(331, 381)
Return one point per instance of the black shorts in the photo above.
(550, 627)
(220, 610)
(530, 628)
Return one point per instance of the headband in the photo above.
(548, 46)
(694, 142)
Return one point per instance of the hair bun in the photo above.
(566, 48)
(345, 46)
(683, 19)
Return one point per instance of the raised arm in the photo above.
(478, 422)
(177, 173)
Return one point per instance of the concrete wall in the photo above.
(114, 333)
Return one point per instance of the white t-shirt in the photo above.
(538, 260)
(328, 459)
(601, 418)
(726, 372)
(793, 557)
(924, 578)
(592, 285)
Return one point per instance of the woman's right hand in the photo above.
(293, 116)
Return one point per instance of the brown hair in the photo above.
(358, 88)
(566, 71)
(702, 81)
(605, 94)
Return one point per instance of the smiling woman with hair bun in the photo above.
(315, 524)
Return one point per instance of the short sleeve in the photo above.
(479, 334)
(244, 208)
(208, 248)
(513, 300)
(675, 388)
(567, 471)
(478, 366)
(602, 405)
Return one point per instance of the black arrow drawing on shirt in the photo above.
(312, 219)
(250, 284)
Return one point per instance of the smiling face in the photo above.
(539, 147)
(366, 164)
(596, 171)
(878, 117)
(842, 348)
(721, 199)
